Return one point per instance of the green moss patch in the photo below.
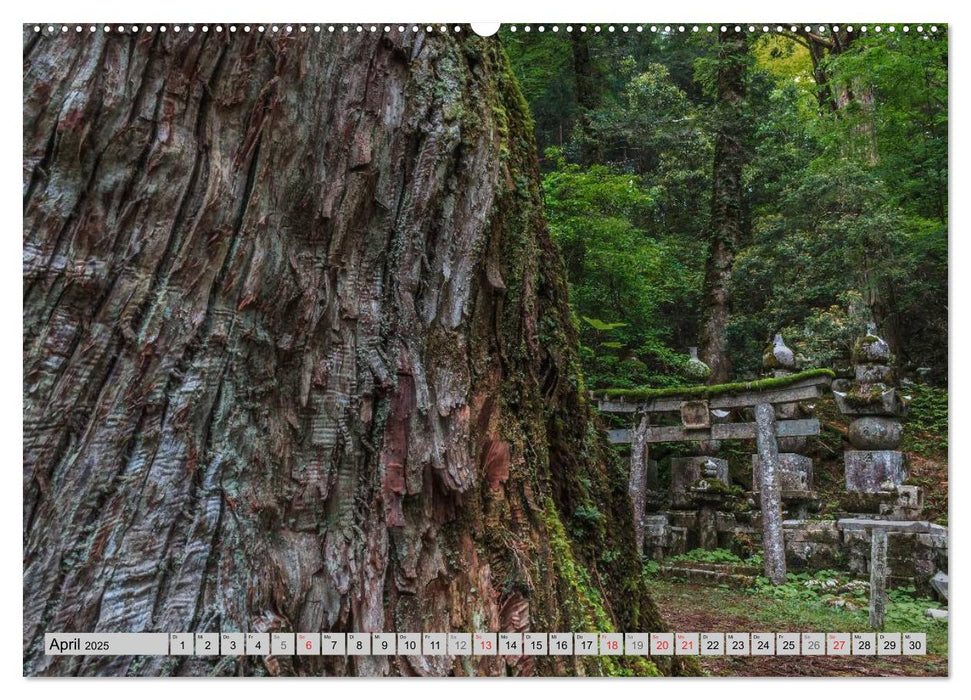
(705, 391)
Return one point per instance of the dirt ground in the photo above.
(693, 608)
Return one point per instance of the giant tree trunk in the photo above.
(726, 203)
(298, 356)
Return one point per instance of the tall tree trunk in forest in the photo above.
(589, 89)
(298, 356)
(836, 96)
(727, 211)
(823, 47)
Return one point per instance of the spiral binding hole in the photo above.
(64, 29)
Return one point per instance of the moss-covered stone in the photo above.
(705, 391)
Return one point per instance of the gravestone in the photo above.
(878, 578)
(686, 471)
(875, 464)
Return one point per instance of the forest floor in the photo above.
(691, 607)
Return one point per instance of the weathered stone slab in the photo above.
(909, 503)
(870, 471)
(878, 578)
(881, 404)
(803, 427)
(818, 531)
(812, 544)
(932, 539)
(686, 519)
(656, 536)
(807, 555)
(939, 584)
(875, 433)
(694, 414)
(914, 526)
(725, 522)
(795, 472)
(802, 390)
(711, 574)
(868, 373)
(677, 540)
(687, 470)
(860, 502)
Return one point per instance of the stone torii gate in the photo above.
(699, 415)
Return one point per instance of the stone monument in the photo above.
(875, 464)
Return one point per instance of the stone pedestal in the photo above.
(870, 471)
(707, 530)
(795, 472)
(656, 533)
(876, 433)
(909, 504)
(677, 537)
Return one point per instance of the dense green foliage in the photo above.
(926, 432)
(845, 188)
(835, 589)
(716, 556)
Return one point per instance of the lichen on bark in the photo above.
(298, 356)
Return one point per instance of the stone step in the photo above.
(707, 573)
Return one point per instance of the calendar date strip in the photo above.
(487, 644)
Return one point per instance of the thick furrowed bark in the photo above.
(297, 354)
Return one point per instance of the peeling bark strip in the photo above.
(298, 356)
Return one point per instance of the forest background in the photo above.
(712, 191)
